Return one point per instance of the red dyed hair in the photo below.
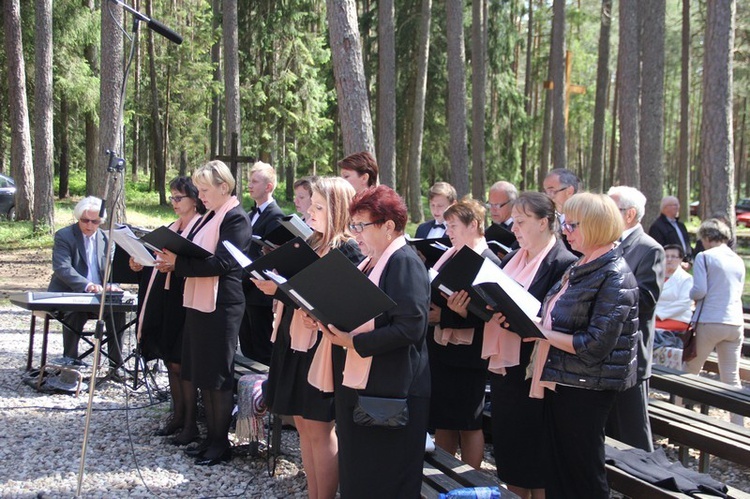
(382, 203)
(361, 162)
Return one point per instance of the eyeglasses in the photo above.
(360, 227)
(496, 206)
(89, 221)
(552, 191)
(570, 227)
(176, 199)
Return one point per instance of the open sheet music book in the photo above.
(286, 260)
(125, 239)
(290, 227)
(163, 237)
(431, 249)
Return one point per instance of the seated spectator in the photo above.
(674, 308)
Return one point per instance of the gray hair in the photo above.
(713, 230)
(629, 197)
(90, 203)
(506, 187)
(567, 178)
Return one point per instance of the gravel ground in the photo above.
(42, 436)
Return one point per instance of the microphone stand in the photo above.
(115, 168)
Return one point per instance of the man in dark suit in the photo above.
(440, 196)
(78, 262)
(560, 184)
(628, 421)
(500, 203)
(667, 229)
(257, 324)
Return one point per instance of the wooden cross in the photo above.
(569, 89)
(234, 161)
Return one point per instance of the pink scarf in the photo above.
(175, 227)
(302, 338)
(455, 336)
(501, 346)
(200, 292)
(541, 350)
(357, 368)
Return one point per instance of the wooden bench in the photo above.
(712, 366)
(702, 390)
(711, 436)
(442, 473)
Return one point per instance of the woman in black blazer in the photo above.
(459, 374)
(517, 419)
(215, 304)
(375, 461)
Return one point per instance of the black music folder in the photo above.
(286, 260)
(458, 274)
(336, 292)
(431, 249)
(511, 305)
(290, 227)
(500, 239)
(162, 237)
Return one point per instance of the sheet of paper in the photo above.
(238, 255)
(128, 241)
(489, 272)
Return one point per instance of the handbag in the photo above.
(689, 343)
(385, 412)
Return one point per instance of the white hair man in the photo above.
(667, 228)
(628, 421)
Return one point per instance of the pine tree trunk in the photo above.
(478, 88)
(44, 195)
(157, 137)
(349, 75)
(629, 81)
(417, 125)
(20, 137)
(557, 65)
(215, 128)
(525, 178)
(63, 188)
(596, 182)
(717, 161)
(458, 149)
(683, 187)
(232, 83)
(386, 93)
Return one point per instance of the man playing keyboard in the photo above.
(78, 263)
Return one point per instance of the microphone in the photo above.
(153, 24)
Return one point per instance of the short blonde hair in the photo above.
(266, 171)
(214, 173)
(442, 189)
(466, 211)
(599, 216)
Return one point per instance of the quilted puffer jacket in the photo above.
(600, 310)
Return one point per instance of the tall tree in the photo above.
(651, 147)
(417, 123)
(20, 136)
(232, 82)
(525, 179)
(458, 150)
(717, 158)
(478, 88)
(110, 123)
(386, 117)
(44, 202)
(215, 128)
(596, 180)
(629, 81)
(157, 134)
(683, 183)
(91, 119)
(349, 74)
(557, 64)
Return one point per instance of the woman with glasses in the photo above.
(287, 391)
(458, 371)
(161, 315)
(590, 321)
(384, 358)
(215, 305)
(537, 265)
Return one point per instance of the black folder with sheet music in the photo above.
(162, 237)
(500, 239)
(290, 227)
(431, 249)
(458, 274)
(495, 296)
(336, 292)
(286, 260)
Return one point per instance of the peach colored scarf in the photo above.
(455, 336)
(175, 226)
(541, 350)
(200, 292)
(357, 368)
(501, 346)
(302, 339)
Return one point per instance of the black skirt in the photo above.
(209, 345)
(288, 391)
(457, 399)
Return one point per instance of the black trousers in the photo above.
(255, 333)
(113, 322)
(574, 421)
(628, 421)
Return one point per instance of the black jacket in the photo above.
(600, 310)
(665, 233)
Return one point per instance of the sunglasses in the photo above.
(89, 221)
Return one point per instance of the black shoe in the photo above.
(169, 429)
(225, 457)
(184, 439)
(197, 450)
